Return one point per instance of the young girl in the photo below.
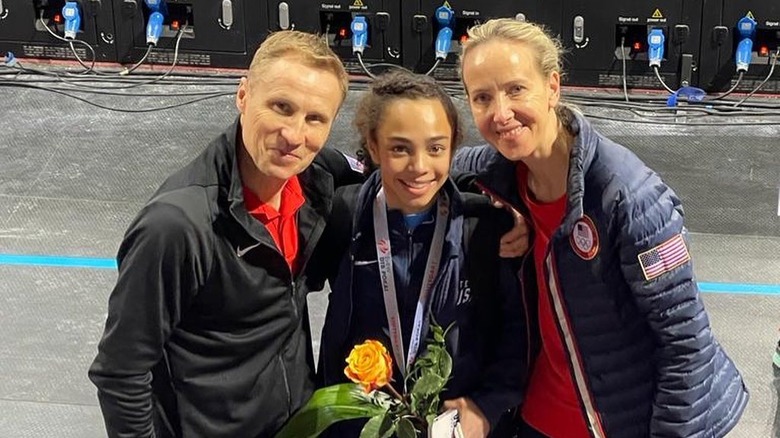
(434, 249)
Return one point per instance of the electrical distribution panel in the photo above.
(23, 29)
(599, 39)
(691, 42)
(726, 25)
(214, 33)
(424, 22)
(336, 19)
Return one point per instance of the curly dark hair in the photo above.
(399, 84)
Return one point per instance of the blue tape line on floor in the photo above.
(102, 263)
(740, 288)
(70, 262)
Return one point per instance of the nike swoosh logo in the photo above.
(242, 251)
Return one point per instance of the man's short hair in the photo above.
(312, 50)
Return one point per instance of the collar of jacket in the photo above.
(364, 214)
(317, 185)
(499, 174)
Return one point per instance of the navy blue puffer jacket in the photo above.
(643, 359)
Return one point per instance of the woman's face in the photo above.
(413, 148)
(512, 101)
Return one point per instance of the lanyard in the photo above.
(385, 262)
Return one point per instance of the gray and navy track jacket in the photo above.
(475, 294)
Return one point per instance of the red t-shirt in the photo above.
(280, 224)
(551, 404)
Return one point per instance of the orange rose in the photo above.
(369, 364)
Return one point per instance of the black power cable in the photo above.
(127, 71)
(122, 110)
(661, 80)
(72, 49)
(623, 59)
(730, 90)
(769, 75)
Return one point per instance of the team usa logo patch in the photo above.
(664, 257)
(584, 238)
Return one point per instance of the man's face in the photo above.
(286, 115)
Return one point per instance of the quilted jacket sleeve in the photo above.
(472, 159)
(656, 264)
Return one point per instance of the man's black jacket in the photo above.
(207, 332)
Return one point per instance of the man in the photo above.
(207, 332)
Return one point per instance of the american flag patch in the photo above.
(664, 257)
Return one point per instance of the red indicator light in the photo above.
(57, 18)
(463, 39)
(763, 51)
(342, 33)
(175, 24)
(637, 46)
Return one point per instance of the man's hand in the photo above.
(515, 242)
(472, 420)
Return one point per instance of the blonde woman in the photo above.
(625, 347)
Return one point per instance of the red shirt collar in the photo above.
(292, 200)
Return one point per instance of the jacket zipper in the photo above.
(580, 383)
(294, 298)
(286, 385)
(342, 338)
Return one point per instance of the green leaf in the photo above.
(406, 429)
(414, 402)
(380, 426)
(438, 333)
(430, 417)
(428, 384)
(433, 406)
(445, 365)
(327, 406)
(432, 352)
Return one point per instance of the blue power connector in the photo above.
(72, 19)
(10, 59)
(359, 27)
(443, 15)
(443, 43)
(157, 6)
(746, 27)
(154, 28)
(655, 47)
